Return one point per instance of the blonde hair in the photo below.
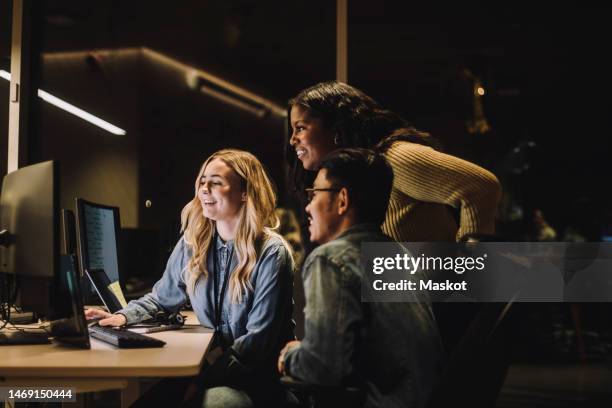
(257, 221)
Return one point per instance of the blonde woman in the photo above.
(237, 273)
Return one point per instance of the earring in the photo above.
(337, 140)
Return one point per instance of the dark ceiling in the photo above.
(278, 47)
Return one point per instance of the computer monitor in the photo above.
(29, 237)
(98, 226)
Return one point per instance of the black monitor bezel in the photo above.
(82, 250)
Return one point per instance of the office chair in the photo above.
(322, 396)
(454, 318)
(477, 368)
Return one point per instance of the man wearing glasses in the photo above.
(391, 351)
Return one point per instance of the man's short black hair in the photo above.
(368, 178)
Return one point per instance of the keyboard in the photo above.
(123, 338)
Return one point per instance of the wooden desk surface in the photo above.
(181, 356)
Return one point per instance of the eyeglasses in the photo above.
(310, 191)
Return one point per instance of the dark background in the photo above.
(544, 69)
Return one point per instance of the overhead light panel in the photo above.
(60, 103)
(219, 88)
(223, 94)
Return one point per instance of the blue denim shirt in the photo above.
(256, 328)
(393, 350)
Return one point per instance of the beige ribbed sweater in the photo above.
(425, 179)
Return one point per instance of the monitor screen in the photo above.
(98, 226)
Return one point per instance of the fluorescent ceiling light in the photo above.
(54, 100)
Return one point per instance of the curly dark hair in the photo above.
(356, 119)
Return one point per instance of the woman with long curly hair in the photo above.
(331, 115)
(237, 273)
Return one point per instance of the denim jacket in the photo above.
(252, 331)
(392, 350)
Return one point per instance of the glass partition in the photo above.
(6, 12)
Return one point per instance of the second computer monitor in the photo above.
(98, 228)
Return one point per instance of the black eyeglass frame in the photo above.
(310, 191)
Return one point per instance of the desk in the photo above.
(105, 367)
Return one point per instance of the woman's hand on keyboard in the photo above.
(106, 319)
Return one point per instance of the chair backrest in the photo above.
(479, 363)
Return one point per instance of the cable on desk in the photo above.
(9, 288)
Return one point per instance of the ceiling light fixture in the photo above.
(60, 103)
(219, 88)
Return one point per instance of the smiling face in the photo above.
(220, 192)
(324, 216)
(310, 138)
